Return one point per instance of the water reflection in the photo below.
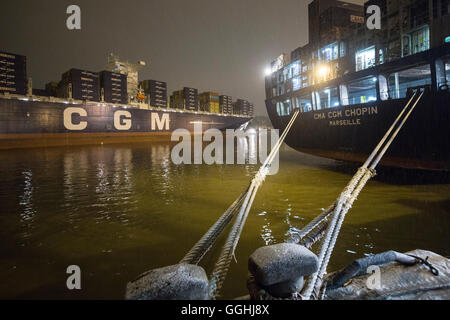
(121, 210)
(266, 235)
(160, 155)
(26, 198)
(75, 166)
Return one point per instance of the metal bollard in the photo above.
(279, 269)
(177, 282)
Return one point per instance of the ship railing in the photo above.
(7, 95)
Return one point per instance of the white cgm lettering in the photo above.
(160, 123)
(68, 123)
(122, 120)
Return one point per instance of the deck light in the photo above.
(267, 72)
(323, 71)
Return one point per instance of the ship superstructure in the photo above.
(131, 71)
(349, 81)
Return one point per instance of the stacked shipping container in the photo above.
(51, 89)
(185, 99)
(85, 85)
(177, 100)
(250, 110)
(225, 104)
(190, 98)
(209, 102)
(156, 92)
(114, 87)
(242, 107)
(13, 73)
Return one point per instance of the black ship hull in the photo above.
(350, 133)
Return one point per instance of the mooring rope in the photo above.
(198, 251)
(223, 263)
(349, 195)
(296, 238)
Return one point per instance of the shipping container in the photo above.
(241, 107)
(114, 87)
(13, 73)
(209, 102)
(225, 104)
(85, 85)
(156, 92)
(52, 89)
(185, 99)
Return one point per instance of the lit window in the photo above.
(360, 91)
(421, 40)
(399, 82)
(295, 68)
(328, 98)
(343, 51)
(296, 83)
(365, 58)
(330, 52)
(447, 72)
(304, 103)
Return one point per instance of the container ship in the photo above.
(107, 106)
(350, 82)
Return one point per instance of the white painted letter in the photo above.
(68, 124)
(162, 123)
(74, 21)
(125, 124)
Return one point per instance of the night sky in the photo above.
(222, 46)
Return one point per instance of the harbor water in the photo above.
(117, 211)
